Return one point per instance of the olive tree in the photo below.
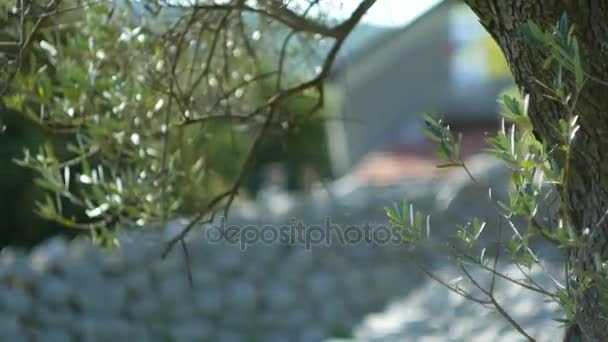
(153, 95)
(555, 146)
(164, 102)
(584, 191)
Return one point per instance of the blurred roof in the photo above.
(365, 37)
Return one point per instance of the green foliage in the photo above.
(299, 144)
(101, 81)
(539, 176)
(562, 51)
(19, 226)
(162, 107)
(471, 232)
(448, 144)
(413, 224)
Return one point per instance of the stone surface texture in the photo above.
(271, 290)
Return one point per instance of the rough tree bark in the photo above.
(587, 200)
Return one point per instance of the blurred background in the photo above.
(403, 59)
(363, 151)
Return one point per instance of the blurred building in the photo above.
(442, 62)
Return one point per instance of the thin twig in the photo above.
(187, 261)
(445, 284)
(497, 305)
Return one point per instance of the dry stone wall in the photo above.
(268, 291)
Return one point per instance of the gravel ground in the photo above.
(432, 313)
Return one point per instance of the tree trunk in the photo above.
(587, 195)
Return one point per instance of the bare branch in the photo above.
(279, 13)
(499, 308)
(25, 41)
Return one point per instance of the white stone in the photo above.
(333, 313)
(49, 255)
(102, 300)
(179, 312)
(9, 324)
(321, 284)
(138, 281)
(54, 290)
(16, 271)
(15, 301)
(56, 316)
(91, 329)
(136, 255)
(173, 264)
(209, 301)
(191, 331)
(229, 336)
(241, 297)
(81, 273)
(525, 309)
(13, 337)
(113, 263)
(81, 250)
(269, 321)
(279, 297)
(228, 259)
(490, 333)
(53, 335)
(276, 336)
(174, 289)
(205, 278)
(144, 308)
(311, 334)
(299, 317)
